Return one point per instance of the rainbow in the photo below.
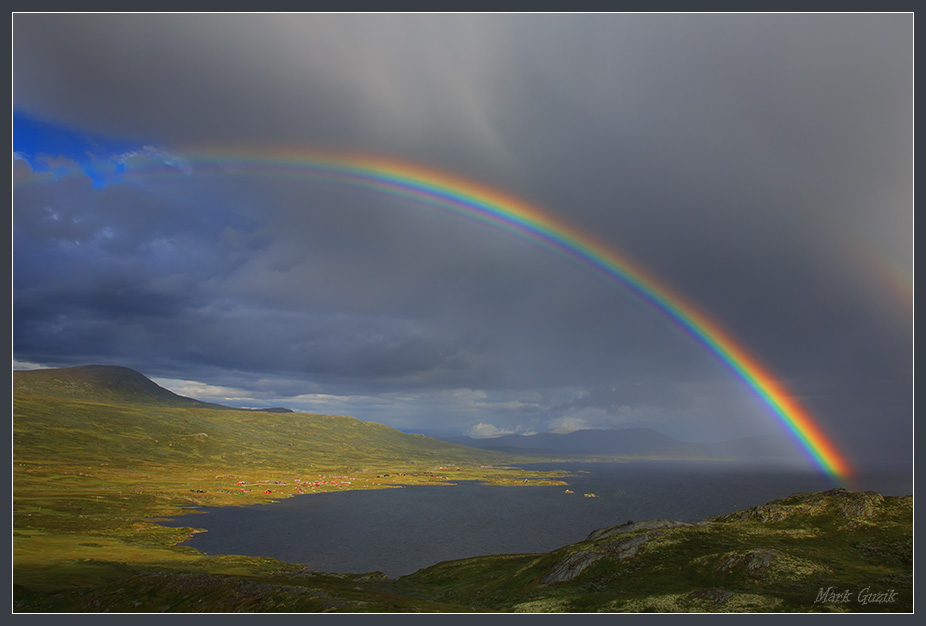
(443, 191)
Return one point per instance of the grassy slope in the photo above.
(69, 417)
(95, 461)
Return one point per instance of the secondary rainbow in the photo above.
(447, 192)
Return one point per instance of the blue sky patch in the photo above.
(41, 144)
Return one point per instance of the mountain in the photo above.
(590, 441)
(101, 382)
(274, 409)
(113, 383)
(635, 442)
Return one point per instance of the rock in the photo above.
(861, 504)
(621, 549)
(629, 527)
(571, 566)
(627, 547)
(752, 562)
(849, 504)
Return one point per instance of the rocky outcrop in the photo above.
(629, 527)
(751, 562)
(629, 539)
(765, 566)
(571, 566)
(852, 505)
(860, 504)
(574, 564)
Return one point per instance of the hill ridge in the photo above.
(104, 383)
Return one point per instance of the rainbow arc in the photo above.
(443, 191)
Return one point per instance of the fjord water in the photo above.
(399, 531)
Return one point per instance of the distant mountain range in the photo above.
(637, 442)
(648, 443)
(623, 441)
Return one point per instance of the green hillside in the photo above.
(116, 417)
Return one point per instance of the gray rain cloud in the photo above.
(760, 165)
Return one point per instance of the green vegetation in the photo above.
(772, 558)
(99, 456)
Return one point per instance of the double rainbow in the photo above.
(446, 192)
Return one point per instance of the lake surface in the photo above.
(399, 531)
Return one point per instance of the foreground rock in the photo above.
(851, 505)
(630, 539)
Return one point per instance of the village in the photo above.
(362, 479)
(326, 482)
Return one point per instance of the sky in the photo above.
(759, 165)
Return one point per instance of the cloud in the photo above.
(25, 365)
(565, 425)
(142, 157)
(202, 391)
(483, 430)
(758, 165)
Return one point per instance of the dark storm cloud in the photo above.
(744, 159)
(318, 79)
